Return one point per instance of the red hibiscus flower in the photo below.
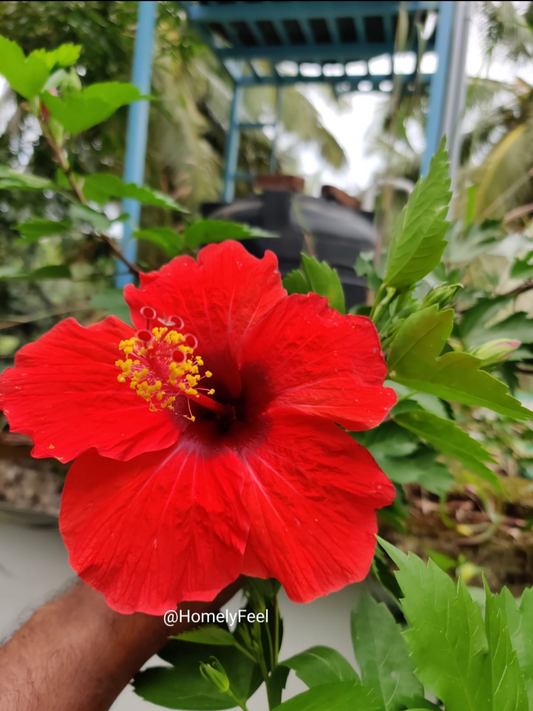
(206, 439)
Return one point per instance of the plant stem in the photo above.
(377, 300)
(60, 160)
(276, 631)
(381, 304)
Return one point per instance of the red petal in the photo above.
(308, 356)
(63, 392)
(311, 492)
(220, 298)
(157, 530)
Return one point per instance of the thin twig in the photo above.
(60, 159)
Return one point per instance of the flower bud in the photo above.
(215, 673)
(441, 295)
(495, 351)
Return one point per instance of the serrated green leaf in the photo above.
(166, 238)
(446, 636)
(102, 187)
(415, 360)
(341, 696)
(37, 227)
(468, 665)
(324, 281)
(519, 620)
(506, 682)
(382, 655)
(64, 56)
(12, 180)
(215, 231)
(26, 75)
(321, 665)
(296, 283)
(183, 687)
(78, 112)
(418, 241)
(449, 439)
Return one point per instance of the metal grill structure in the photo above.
(352, 46)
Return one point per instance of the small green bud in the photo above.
(495, 351)
(215, 673)
(70, 83)
(441, 295)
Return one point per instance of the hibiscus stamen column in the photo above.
(160, 365)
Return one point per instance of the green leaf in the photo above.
(418, 241)
(183, 686)
(208, 634)
(516, 327)
(450, 439)
(12, 180)
(79, 111)
(84, 213)
(51, 271)
(112, 302)
(296, 283)
(27, 76)
(167, 239)
(64, 56)
(324, 281)
(523, 268)
(414, 361)
(382, 655)
(37, 227)
(321, 665)
(365, 267)
(403, 459)
(507, 688)
(319, 278)
(341, 696)
(420, 468)
(214, 231)
(102, 187)
(520, 624)
(457, 658)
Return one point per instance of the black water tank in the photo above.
(337, 234)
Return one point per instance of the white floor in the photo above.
(33, 565)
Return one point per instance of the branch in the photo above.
(60, 159)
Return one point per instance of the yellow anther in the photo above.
(51, 446)
(211, 392)
(159, 332)
(192, 418)
(208, 374)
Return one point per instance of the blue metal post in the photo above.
(232, 146)
(137, 131)
(439, 82)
